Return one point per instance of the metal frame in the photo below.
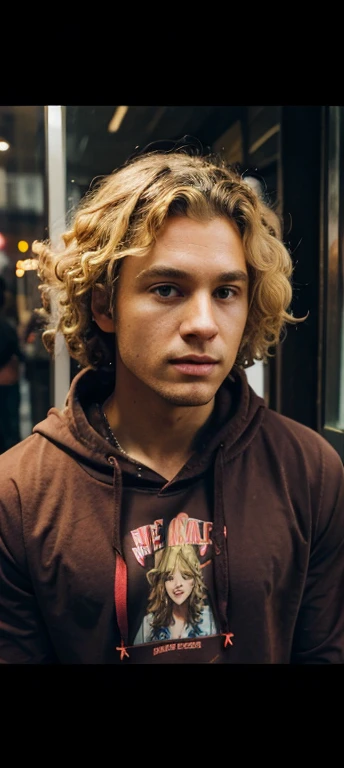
(331, 279)
(55, 132)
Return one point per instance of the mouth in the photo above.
(195, 365)
(198, 359)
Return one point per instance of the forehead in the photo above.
(188, 236)
(188, 244)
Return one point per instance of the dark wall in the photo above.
(296, 368)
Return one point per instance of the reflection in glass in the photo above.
(334, 375)
(22, 220)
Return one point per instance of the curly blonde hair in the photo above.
(123, 215)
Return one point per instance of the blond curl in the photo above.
(123, 215)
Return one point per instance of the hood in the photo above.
(237, 416)
(69, 428)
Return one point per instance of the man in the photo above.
(170, 282)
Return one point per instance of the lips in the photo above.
(198, 359)
(195, 365)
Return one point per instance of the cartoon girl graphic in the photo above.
(177, 605)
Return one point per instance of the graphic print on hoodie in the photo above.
(177, 604)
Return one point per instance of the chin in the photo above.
(188, 400)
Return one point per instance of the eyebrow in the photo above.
(236, 275)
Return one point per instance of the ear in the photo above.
(100, 310)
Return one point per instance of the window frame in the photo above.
(331, 278)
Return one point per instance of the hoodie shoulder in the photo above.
(23, 461)
(18, 456)
(289, 431)
(296, 446)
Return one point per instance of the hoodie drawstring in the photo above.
(219, 534)
(121, 574)
(120, 596)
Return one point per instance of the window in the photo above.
(332, 358)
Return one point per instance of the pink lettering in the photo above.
(176, 531)
(192, 532)
(147, 539)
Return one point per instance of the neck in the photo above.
(150, 428)
(180, 611)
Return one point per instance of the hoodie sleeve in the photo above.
(23, 635)
(319, 632)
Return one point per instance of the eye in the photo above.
(225, 292)
(166, 291)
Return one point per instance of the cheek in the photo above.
(134, 317)
(130, 328)
(139, 334)
(236, 325)
(240, 313)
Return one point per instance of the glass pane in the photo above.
(334, 411)
(25, 375)
(101, 138)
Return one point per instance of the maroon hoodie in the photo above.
(257, 515)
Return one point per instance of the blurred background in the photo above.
(293, 155)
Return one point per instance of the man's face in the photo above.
(181, 311)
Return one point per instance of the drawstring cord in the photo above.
(219, 535)
(120, 597)
(120, 576)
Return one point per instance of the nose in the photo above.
(198, 317)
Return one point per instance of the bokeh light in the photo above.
(23, 246)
